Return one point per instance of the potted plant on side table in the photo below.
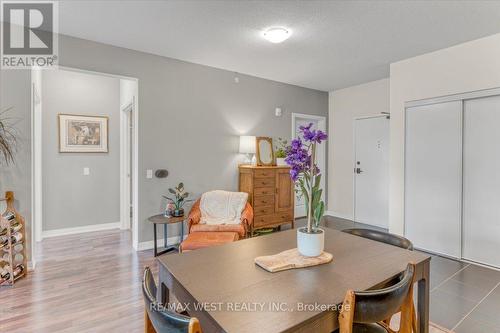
(178, 200)
(301, 156)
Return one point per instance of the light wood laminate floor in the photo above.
(88, 282)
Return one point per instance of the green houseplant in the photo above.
(280, 151)
(178, 199)
(7, 138)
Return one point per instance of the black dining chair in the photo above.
(371, 311)
(163, 321)
(383, 237)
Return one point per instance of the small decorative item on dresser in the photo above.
(179, 199)
(265, 151)
(280, 151)
(247, 147)
(301, 156)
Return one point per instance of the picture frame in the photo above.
(83, 134)
(265, 151)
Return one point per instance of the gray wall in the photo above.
(71, 199)
(15, 92)
(190, 116)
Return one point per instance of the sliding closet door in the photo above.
(482, 180)
(433, 177)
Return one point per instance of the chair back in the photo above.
(377, 305)
(161, 319)
(383, 237)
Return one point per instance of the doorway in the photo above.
(371, 171)
(81, 202)
(128, 92)
(319, 122)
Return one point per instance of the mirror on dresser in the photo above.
(265, 152)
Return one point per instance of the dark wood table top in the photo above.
(228, 274)
(162, 219)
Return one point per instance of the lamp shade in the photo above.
(247, 144)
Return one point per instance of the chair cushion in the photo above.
(238, 228)
(198, 240)
(367, 328)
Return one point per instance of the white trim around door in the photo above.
(321, 126)
(126, 144)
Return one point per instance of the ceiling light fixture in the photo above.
(277, 34)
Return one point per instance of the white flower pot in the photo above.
(280, 161)
(310, 244)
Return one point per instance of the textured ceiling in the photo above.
(334, 44)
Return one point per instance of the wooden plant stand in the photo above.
(9, 247)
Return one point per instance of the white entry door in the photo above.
(318, 123)
(371, 170)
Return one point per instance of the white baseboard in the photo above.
(78, 230)
(148, 245)
(31, 266)
(339, 215)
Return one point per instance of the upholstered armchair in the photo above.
(243, 229)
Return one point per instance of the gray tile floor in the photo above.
(465, 298)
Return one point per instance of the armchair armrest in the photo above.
(194, 216)
(247, 217)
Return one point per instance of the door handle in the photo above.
(358, 170)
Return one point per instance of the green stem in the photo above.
(311, 184)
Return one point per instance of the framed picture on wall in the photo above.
(83, 134)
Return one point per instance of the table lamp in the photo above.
(247, 146)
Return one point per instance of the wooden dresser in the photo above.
(270, 192)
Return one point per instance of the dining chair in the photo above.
(381, 236)
(367, 311)
(163, 321)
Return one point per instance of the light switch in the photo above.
(86, 171)
(149, 174)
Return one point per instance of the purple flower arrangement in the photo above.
(301, 157)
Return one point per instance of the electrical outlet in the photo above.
(86, 171)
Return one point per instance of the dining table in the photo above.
(224, 288)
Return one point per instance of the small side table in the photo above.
(162, 219)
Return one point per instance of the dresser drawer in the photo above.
(264, 191)
(263, 200)
(264, 173)
(283, 217)
(266, 210)
(264, 182)
(273, 219)
(260, 221)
